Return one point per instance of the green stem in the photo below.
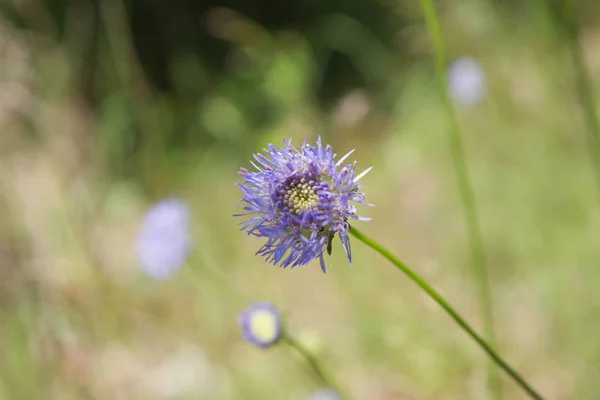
(465, 189)
(448, 308)
(314, 364)
(584, 86)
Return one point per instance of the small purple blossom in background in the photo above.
(324, 394)
(261, 324)
(466, 81)
(163, 242)
(299, 200)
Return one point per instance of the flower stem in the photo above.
(570, 29)
(465, 189)
(314, 364)
(448, 308)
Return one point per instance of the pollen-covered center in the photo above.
(300, 193)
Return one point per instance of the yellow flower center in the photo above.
(300, 197)
(264, 325)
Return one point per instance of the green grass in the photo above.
(95, 327)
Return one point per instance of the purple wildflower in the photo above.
(261, 324)
(466, 80)
(299, 200)
(324, 394)
(163, 242)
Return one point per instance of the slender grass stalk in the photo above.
(465, 189)
(584, 85)
(130, 73)
(438, 298)
(314, 364)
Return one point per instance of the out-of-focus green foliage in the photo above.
(108, 106)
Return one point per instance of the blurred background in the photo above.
(107, 107)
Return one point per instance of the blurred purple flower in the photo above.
(299, 199)
(466, 81)
(324, 394)
(261, 324)
(163, 242)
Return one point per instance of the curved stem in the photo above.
(314, 364)
(448, 308)
(465, 189)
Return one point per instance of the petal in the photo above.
(322, 261)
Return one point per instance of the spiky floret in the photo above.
(299, 200)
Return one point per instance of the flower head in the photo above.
(299, 200)
(324, 394)
(163, 241)
(466, 80)
(261, 324)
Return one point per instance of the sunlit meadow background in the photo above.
(107, 107)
